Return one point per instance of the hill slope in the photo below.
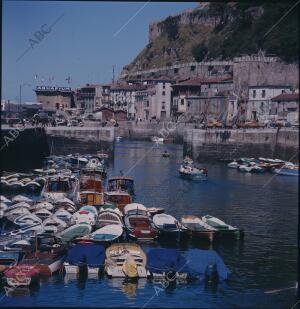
(222, 31)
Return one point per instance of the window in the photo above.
(227, 67)
(175, 70)
(263, 93)
(164, 85)
(163, 105)
(193, 68)
(254, 93)
(210, 67)
(163, 93)
(182, 101)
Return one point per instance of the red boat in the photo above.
(140, 227)
(45, 262)
(21, 275)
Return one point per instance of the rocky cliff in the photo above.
(221, 31)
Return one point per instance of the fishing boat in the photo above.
(88, 256)
(106, 234)
(95, 166)
(223, 228)
(167, 264)
(120, 198)
(91, 198)
(287, 170)
(167, 225)
(157, 139)
(121, 183)
(108, 217)
(197, 228)
(21, 275)
(74, 231)
(58, 187)
(193, 173)
(90, 180)
(125, 260)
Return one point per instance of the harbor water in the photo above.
(263, 266)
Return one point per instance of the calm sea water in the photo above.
(265, 206)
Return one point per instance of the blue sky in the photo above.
(81, 43)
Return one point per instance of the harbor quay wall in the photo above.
(22, 148)
(221, 144)
(87, 134)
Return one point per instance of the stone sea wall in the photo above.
(217, 144)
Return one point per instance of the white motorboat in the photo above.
(245, 168)
(135, 208)
(108, 217)
(157, 139)
(43, 205)
(4, 199)
(11, 215)
(63, 215)
(56, 222)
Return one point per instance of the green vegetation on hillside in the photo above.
(240, 29)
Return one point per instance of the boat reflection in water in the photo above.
(128, 286)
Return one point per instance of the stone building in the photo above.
(197, 88)
(155, 102)
(285, 106)
(54, 98)
(259, 101)
(123, 97)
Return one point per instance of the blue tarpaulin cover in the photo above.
(163, 260)
(197, 260)
(92, 255)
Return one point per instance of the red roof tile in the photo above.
(286, 97)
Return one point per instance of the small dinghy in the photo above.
(4, 199)
(195, 227)
(125, 260)
(223, 228)
(165, 154)
(43, 205)
(85, 256)
(21, 275)
(167, 225)
(63, 215)
(157, 139)
(167, 264)
(19, 204)
(89, 208)
(83, 216)
(42, 213)
(74, 231)
(108, 233)
(193, 173)
(21, 198)
(287, 170)
(27, 220)
(233, 164)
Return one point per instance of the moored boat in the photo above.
(119, 198)
(125, 260)
(167, 225)
(121, 183)
(197, 228)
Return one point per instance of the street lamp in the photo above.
(20, 97)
